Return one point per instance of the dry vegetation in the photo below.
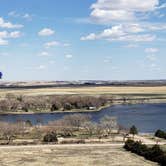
(71, 128)
(76, 127)
(67, 155)
(76, 98)
(87, 90)
(17, 103)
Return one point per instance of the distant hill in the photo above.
(45, 84)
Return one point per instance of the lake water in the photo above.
(146, 117)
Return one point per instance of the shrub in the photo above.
(67, 106)
(160, 134)
(129, 144)
(133, 130)
(154, 154)
(163, 160)
(79, 141)
(50, 137)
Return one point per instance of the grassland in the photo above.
(70, 155)
(98, 90)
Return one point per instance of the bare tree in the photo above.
(89, 127)
(99, 131)
(8, 131)
(76, 120)
(109, 123)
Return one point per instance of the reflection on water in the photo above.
(147, 117)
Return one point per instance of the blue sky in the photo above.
(83, 39)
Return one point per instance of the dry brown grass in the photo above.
(77, 155)
(88, 90)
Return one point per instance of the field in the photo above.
(96, 90)
(70, 155)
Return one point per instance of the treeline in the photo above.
(155, 153)
(82, 126)
(160, 134)
(13, 103)
(76, 125)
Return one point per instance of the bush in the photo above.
(160, 134)
(133, 130)
(80, 141)
(163, 160)
(129, 144)
(154, 154)
(50, 137)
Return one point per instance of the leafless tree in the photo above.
(76, 120)
(109, 123)
(89, 127)
(8, 131)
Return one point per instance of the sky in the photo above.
(82, 40)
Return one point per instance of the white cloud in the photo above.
(151, 50)
(122, 32)
(155, 27)
(13, 14)
(107, 16)
(151, 57)
(7, 35)
(14, 34)
(108, 60)
(106, 11)
(161, 6)
(69, 56)
(46, 32)
(133, 5)
(91, 36)
(51, 44)
(4, 34)
(135, 38)
(131, 46)
(126, 17)
(4, 24)
(26, 16)
(41, 67)
(66, 44)
(44, 53)
(3, 42)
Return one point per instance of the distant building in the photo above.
(92, 108)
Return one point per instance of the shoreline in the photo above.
(150, 101)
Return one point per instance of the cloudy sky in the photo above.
(83, 39)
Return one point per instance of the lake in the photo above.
(146, 117)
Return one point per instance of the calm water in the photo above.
(147, 117)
